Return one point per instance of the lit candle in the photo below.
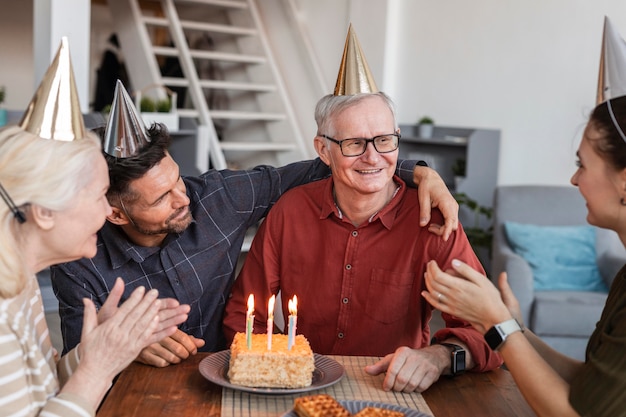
(293, 319)
(250, 321)
(270, 321)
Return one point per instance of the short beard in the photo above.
(178, 227)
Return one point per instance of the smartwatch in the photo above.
(457, 358)
(496, 336)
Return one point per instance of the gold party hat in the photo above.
(612, 74)
(354, 74)
(125, 133)
(54, 111)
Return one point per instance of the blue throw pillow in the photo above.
(561, 257)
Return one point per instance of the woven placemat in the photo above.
(355, 385)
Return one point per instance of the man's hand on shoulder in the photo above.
(432, 192)
(171, 350)
(410, 370)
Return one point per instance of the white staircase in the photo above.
(231, 82)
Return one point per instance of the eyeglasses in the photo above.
(357, 146)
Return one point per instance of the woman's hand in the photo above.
(506, 293)
(469, 295)
(112, 340)
(171, 313)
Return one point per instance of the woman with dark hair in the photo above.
(553, 384)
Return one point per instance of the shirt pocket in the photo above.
(389, 295)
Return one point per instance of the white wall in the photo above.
(17, 64)
(16, 58)
(528, 67)
(53, 20)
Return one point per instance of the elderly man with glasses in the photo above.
(351, 249)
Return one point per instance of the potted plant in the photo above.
(425, 127)
(158, 110)
(147, 105)
(458, 169)
(3, 111)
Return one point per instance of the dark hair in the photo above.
(611, 145)
(122, 171)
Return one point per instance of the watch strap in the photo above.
(496, 336)
(508, 327)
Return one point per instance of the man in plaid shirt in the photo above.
(183, 235)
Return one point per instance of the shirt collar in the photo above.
(386, 215)
(120, 249)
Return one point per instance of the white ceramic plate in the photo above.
(355, 406)
(215, 368)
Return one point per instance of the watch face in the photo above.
(493, 338)
(459, 362)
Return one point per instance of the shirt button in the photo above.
(355, 233)
(345, 300)
(348, 267)
(340, 335)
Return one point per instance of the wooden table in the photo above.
(181, 391)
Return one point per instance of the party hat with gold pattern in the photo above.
(612, 74)
(354, 74)
(125, 133)
(54, 111)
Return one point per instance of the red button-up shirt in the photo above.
(358, 288)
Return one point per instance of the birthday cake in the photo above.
(278, 368)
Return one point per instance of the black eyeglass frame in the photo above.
(372, 140)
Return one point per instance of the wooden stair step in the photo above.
(192, 113)
(240, 115)
(257, 146)
(207, 27)
(221, 85)
(214, 55)
(235, 115)
(232, 4)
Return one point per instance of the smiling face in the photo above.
(161, 205)
(600, 184)
(367, 175)
(74, 234)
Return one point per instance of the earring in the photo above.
(622, 202)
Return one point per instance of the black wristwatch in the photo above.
(457, 359)
(496, 336)
(421, 163)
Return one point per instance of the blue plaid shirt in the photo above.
(197, 266)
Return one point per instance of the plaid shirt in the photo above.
(197, 266)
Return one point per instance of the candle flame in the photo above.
(293, 306)
(250, 304)
(270, 307)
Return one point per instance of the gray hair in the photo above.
(330, 105)
(49, 173)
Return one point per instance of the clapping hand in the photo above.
(116, 335)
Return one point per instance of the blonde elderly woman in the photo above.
(53, 180)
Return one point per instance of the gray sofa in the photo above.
(563, 319)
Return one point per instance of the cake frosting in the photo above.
(278, 368)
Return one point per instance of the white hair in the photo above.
(330, 105)
(48, 173)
